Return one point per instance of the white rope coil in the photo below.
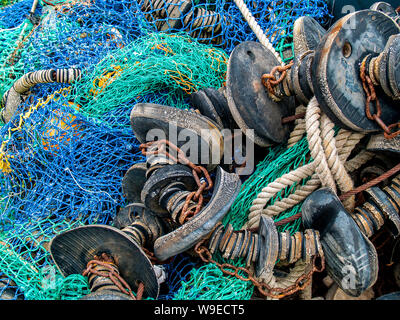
(327, 169)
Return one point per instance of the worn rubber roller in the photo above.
(226, 188)
(135, 217)
(378, 143)
(248, 101)
(106, 247)
(245, 103)
(172, 15)
(307, 35)
(265, 247)
(188, 130)
(382, 206)
(133, 182)
(165, 193)
(351, 259)
(337, 81)
(153, 193)
(213, 104)
(19, 92)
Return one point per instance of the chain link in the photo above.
(270, 82)
(114, 276)
(195, 196)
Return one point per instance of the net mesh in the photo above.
(67, 147)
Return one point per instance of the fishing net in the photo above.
(220, 22)
(67, 147)
(159, 68)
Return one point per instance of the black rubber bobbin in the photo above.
(72, 250)
(191, 231)
(346, 248)
(265, 247)
(198, 137)
(162, 186)
(336, 77)
(245, 102)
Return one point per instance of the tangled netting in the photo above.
(66, 149)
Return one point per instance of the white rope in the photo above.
(257, 29)
(299, 129)
(327, 169)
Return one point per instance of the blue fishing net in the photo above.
(65, 151)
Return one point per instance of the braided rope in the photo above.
(298, 269)
(345, 142)
(257, 29)
(358, 160)
(328, 152)
(313, 121)
(336, 166)
(299, 128)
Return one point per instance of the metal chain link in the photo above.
(372, 97)
(269, 80)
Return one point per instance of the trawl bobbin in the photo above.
(116, 256)
(151, 121)
(245, 103)
(335, 72)
(347, 250)
(174, 187)
(17, 94)
(226, 188)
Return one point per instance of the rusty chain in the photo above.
(264, 289)
(195, 196)
(372, 97)
(108, 263)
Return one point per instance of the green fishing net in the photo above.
(167, 67)
(60, 178)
